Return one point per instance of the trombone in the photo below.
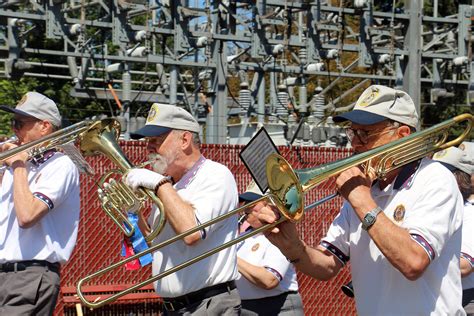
(287, 188)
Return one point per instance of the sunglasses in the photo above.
(19, 124)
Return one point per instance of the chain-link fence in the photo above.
(99, 240)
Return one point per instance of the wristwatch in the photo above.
(370, 218)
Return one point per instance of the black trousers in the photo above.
(285, 304)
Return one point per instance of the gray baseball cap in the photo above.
(455, 158)
(36, 105)
(378, 103)
(163, 118)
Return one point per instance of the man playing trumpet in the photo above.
(402, 234)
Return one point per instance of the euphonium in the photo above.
(116, 197)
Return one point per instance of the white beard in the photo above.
(159, 163)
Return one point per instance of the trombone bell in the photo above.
(286, 184)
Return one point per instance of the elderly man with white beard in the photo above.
(193, 190)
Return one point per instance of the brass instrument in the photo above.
(99, 137)
(288, 186)
(116, 197)
(56, 139)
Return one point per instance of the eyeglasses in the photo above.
(19, 124)
(158, 140)
(363, 135)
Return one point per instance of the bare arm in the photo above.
(466, 268)
(179, 213)
(315, 262)
(29, 210)
(257, 275)
(394, 242)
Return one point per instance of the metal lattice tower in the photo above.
(188, 52)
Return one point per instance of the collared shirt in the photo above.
(467, 248)
(55, 181)
(259, 251)
(429, 206)
(211, 189)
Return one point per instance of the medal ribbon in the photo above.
(135, 244)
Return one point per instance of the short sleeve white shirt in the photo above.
(430, 207)
(210, 187)
(56, 183)
(259, 251)
(467, 248)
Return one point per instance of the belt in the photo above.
(22, 265)
(272, 297)
(174, 303)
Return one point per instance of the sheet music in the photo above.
(255, 155)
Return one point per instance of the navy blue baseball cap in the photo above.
(251, 194)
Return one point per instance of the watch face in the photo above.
(369, 218)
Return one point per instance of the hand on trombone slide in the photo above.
(11, 143)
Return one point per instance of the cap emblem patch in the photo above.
(23, 100)
(152, 114)
(368, 97)
(440, 153)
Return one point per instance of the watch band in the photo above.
(370, 218)
(166, 179)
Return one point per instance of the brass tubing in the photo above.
(73, 130)
(167, 242)
(290, 186)
(284, 182)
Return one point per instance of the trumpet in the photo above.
(287, 189)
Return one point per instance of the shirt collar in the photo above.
(406, 175)
(41, 159)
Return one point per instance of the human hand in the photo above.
(21, 157)
(140, 177)
(284, 236)
(354, 185)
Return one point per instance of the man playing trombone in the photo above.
(39, 212)
(402, 233)
(193, 191)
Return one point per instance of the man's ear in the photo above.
(46, 128)
(186, 139)
(404, 131)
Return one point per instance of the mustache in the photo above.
(155, 156)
